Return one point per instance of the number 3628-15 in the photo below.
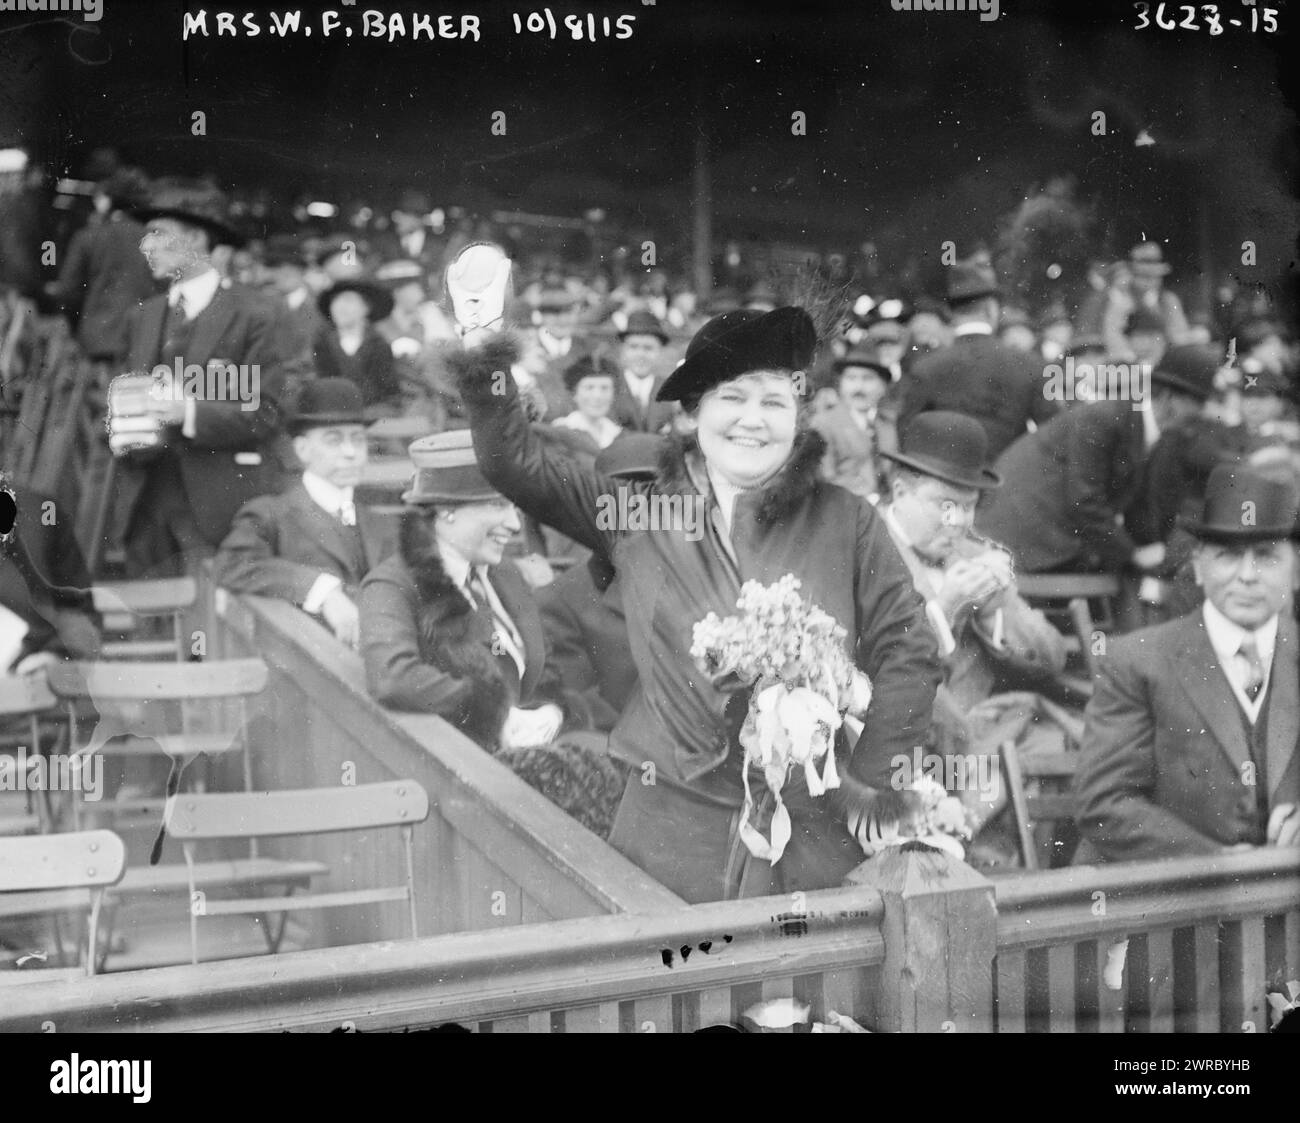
(1210, 12)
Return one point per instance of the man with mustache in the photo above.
(1190, 743)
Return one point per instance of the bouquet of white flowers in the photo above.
(793, 656)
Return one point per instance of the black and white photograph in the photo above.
(650, 516)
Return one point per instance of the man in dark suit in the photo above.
(299, 320)
(103, 277)
(635, 407)
(856, 428)
(1002, 388)
(1190, 742)
(1067, 484)
(220, 414)
(311, 545)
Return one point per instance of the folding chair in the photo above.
(1045, 809)
(1066, 596)
(309, 811)
(52, 874)
(26, 697)
(125, 605)
(130, 700)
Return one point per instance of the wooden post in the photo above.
(940, 932)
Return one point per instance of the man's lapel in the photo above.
(147, 345)
(376, 535)
(1283, 703)
(1210, 692)
(209, 326)
(326, 529)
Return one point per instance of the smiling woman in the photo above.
(755, 471)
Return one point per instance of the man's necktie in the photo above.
(348, 514)
(1254, 681)
(174, 330)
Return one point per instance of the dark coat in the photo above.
(1062, 488)
(233, 456)
(1160, 768)
(427, 650)
(587, 631)
(104, 277)
(832, 540)
(628, 412)
(851, 451)
(977, 375)
(43, 580)
(372, 368)
(1175, 474)
(279, 545)
(296, 330)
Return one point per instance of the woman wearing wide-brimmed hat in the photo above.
(350, 346)
(752, 470)
(450, 627)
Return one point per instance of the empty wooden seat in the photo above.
(1069, 596)
(195, 818)
(124, 604)
(24, 701)
(52, 874)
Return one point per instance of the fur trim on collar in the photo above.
(419, 550)
(681, 469)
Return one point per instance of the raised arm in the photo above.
(545, 483)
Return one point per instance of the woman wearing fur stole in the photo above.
(449, 626)
(746, 502)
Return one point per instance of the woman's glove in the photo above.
(527, 728)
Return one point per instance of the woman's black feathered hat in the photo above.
(736, 343)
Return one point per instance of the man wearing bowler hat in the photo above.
(978, 375)
(990, 639)
(1068, 484)
(174, 510)
(635, 405)
(857, 429)
(312, 545)
(1190, 742)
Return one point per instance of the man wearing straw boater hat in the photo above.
(312, 544)
(1190, 745)
(215, 450)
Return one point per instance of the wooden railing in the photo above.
(917, 942)
(493, 853)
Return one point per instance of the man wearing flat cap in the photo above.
(1068, 484)
(978, 375)
(635, 404)
(312, 544)
(217, 452)
(1190, 743)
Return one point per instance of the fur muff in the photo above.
(454, 637)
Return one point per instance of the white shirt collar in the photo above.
(198, 292)
(325, 495)
(457, 566)
(973, 327)
(1225, 637)
(725, 493)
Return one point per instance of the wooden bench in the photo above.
(26, 700)
(124, 604)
